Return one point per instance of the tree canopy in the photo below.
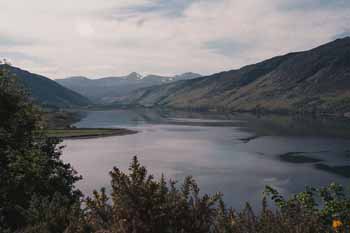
(30, 165)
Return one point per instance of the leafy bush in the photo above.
(30, 165)
(139, 203)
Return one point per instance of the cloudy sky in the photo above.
(114, 37)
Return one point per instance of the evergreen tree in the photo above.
(30, 165)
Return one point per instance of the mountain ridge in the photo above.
(45, 91)
(317, 80)
(108, 89)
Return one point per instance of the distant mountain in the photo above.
(317, 80)
(46, 91)
(109, 89)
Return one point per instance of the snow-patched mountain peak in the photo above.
(134, 76)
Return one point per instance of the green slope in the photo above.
(46, 91)
(317, 80)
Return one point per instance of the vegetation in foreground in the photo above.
(31, 172)
(37, 192)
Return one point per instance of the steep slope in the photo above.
(109, 89)
(316, 80)
(46, 91)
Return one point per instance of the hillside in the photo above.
(46, 91)
(109, 89)
(317, 80)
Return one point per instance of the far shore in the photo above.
(88, 133)
(257, 112)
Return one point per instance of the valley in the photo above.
(311, 82)
(110, 89)
(314, 82)
(175, 116)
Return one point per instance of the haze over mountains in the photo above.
(317, 80)
(312, 81)
(109, 89)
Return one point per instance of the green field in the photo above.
(87, 133)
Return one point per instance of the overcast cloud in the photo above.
(114, 37)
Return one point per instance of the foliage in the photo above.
(139, 203)
(30, 165)
(37, 193)
(329, 204)
(53, 214)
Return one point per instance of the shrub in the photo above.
(140, 203)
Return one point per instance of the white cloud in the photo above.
(109, 37)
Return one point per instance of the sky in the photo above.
(98, 38)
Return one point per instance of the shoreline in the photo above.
(89, 133)
(260, 112)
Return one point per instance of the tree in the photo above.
(140, 203)
(30, 165)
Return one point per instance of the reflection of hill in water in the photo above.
(268, 125)
(273, 125)
(275, 152)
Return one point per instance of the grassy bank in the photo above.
(61, 119)
(88, 133)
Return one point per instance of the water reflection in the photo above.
(237, 154)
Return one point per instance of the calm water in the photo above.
(234, 154)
